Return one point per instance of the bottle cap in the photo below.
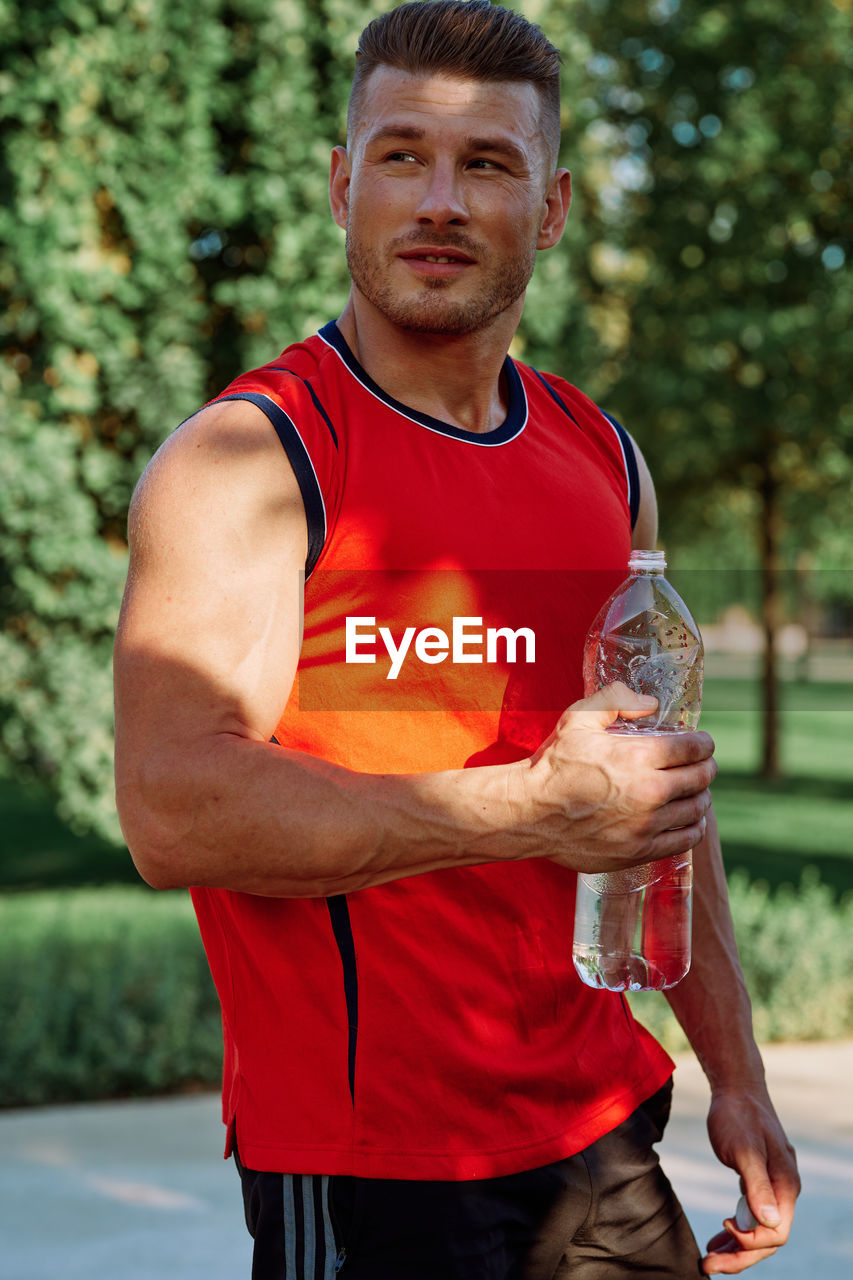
(647, 562)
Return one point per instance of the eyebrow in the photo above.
(411, 133)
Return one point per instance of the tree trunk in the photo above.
(770, 620)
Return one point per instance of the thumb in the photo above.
(614, 700)
(759, 1193)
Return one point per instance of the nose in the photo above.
(442, 202)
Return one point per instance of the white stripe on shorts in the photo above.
(318, 1237)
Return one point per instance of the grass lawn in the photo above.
(773, 830)
(770, 830)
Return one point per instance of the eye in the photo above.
(401, 157)
(482, 163)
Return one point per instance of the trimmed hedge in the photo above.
(106, 992)
(796, 948)
(103, 993)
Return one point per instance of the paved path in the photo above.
(139, 1190)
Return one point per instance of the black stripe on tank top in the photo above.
(630, 466)
(342, 929)
(557, 399)
(303, 469)
(627, 445)
(280, 368)
(338, 909)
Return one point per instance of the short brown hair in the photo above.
(469, 38)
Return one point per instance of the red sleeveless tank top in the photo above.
(432, 1027)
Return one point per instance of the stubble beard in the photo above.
(432, 310)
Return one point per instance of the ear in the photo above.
(339, 180)
(557, 204)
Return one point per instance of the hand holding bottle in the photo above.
(633, 928)
(599, 801)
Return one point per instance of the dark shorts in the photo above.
(607, 1212)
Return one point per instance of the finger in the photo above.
(755, 1238)
(727, 1263)
(758, 1190)
(680, 814)
(668, 843)
(722, 1242)
(600, 709)
(733, 1250)
(677, 783)
(727, 1256)
(685, 747)
(676, 751)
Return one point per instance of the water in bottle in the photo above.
(633, 927)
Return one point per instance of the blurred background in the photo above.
(164, 225)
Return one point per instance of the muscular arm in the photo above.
(205, 657)
(713, 1007)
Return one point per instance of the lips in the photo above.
(436, 263)
(437, 255)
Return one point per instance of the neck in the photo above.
(455, 379)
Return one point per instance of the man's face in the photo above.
(445, 193)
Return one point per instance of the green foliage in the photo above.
(106, 992)
(724, 247)
(772, 830)
(59, 589)
(798, 952)
(103, 993)
(722, 270)
(40, 851)
(166, 225)
(796, 949)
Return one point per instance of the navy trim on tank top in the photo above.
(338, 908)
(303, 469)
(514, 422)
(342, 928)
(630, 467)
(557, 399)
(280, 368)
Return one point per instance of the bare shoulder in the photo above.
(224, 462)
(218, 540)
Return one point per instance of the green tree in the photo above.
(721, 198)
(99, 344)
(165, 225)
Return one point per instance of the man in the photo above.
(378, 816)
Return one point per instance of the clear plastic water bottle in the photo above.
(633, 927)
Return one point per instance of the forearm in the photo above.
(228, 809)
(257, 818)
(712, 1003)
